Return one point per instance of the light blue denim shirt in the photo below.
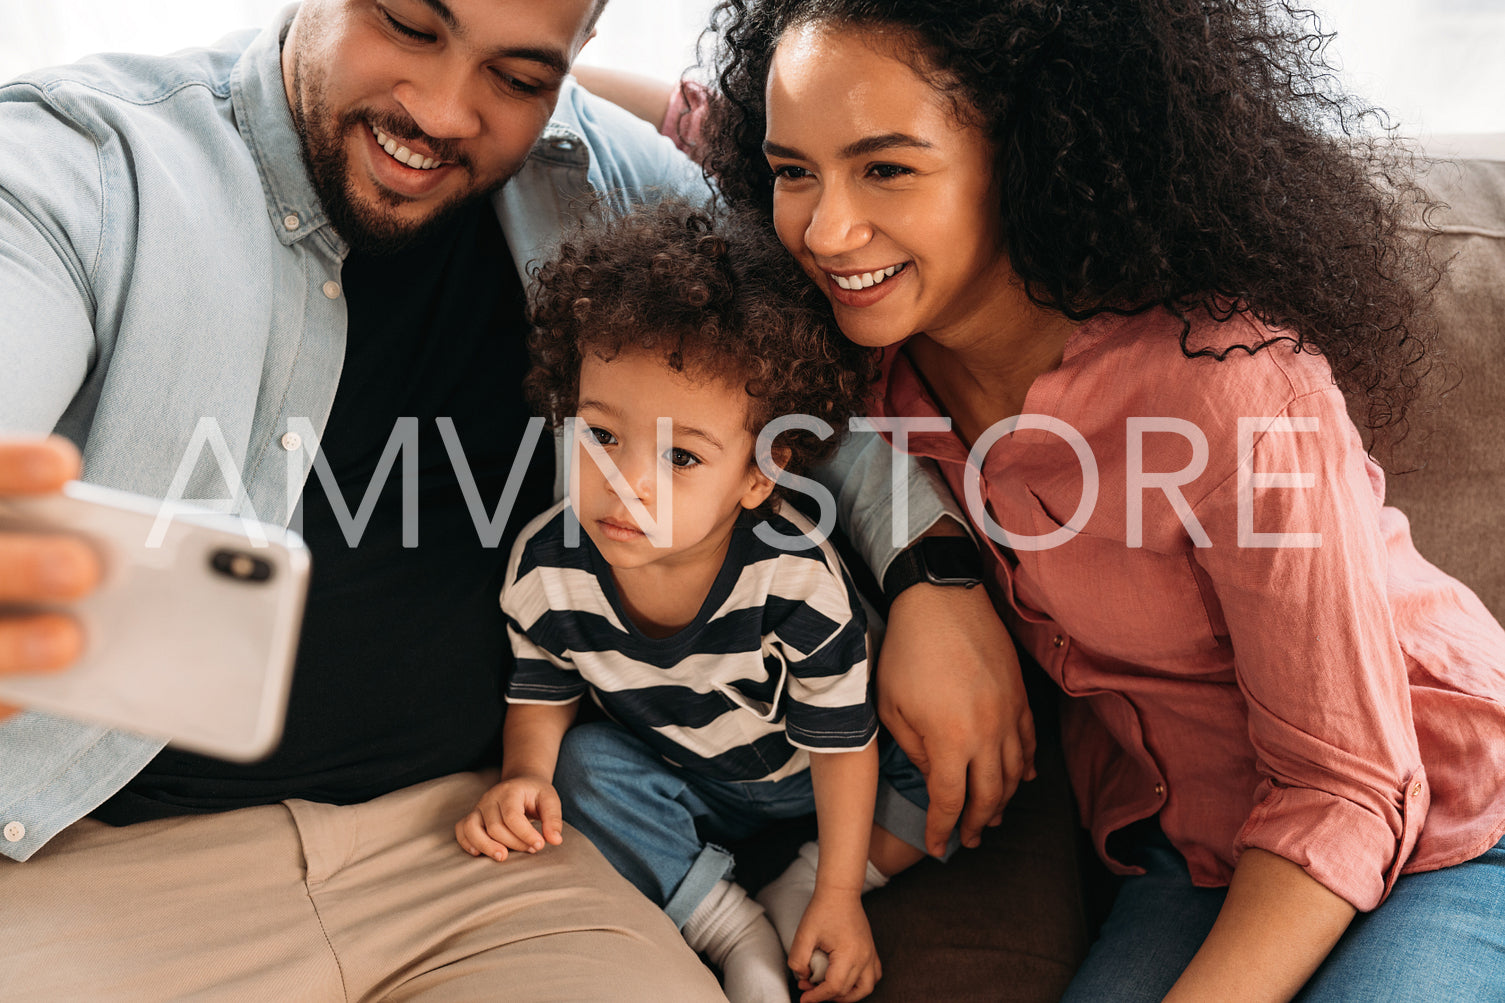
(163, 258)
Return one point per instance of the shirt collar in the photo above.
(266, 124)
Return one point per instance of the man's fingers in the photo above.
(909, 741)
(987, 791)
(45, 568)
(39, 643)
(947, 785)
(37, 466)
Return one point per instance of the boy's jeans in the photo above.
(648, 817)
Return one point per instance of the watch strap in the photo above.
(944, 560)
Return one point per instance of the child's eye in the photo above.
(602, 436)
(682, 458)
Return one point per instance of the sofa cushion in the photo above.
(1449, 475)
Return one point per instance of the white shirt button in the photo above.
(332, 290)
(292, 441)
(15, 832)
(291, 221)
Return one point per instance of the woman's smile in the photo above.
(879, 190)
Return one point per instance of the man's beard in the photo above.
(368, 229)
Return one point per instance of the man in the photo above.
(346, 199)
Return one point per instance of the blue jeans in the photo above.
(659, 825)
(1439, 936)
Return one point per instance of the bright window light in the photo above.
(1434, 64)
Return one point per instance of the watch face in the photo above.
(952, 561)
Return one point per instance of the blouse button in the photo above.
(1160, 790)
(1059, 640)
(291, 221)
(15, 832)
(332, 290)
(292, 441)
(1416, 791)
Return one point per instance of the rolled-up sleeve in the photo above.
(1299, 569)
(863, 475)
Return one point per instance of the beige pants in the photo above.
(303, 901)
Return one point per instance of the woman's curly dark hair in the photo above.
(712, 294)
(1192, 154)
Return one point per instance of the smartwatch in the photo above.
(939, 560)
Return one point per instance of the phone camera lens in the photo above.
(240, 566)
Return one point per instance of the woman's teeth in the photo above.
(402, 154)
(867, 279)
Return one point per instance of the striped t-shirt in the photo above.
(774, 665)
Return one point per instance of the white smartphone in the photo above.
(192, 633)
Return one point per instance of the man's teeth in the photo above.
(402, 154)
(866, 279)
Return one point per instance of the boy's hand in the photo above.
(500, 821)
(835, 923)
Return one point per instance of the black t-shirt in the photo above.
(404, 652)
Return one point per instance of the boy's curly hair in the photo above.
(712, 294)
(1193, 154)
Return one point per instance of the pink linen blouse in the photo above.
(1249, 642)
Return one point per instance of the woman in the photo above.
(1143, 225)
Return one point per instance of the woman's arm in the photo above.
(1275, 928)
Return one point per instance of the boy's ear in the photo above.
(762, 485)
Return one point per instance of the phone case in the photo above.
(191, 640)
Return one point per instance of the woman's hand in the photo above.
(950, 691)
(835, 923)
(40, 569)
(500, 821)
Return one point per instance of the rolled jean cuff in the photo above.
(712, 866)
(901, 817)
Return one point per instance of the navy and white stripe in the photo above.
(774, 666)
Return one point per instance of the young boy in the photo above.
(733, 668)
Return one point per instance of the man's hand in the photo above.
(40, 569)
(950, 691)
(500, 821)
(835, 923)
